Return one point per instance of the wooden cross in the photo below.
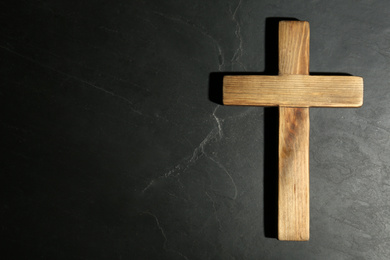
(294, 91)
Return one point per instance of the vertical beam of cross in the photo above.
(294, 127)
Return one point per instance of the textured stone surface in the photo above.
(115, 146)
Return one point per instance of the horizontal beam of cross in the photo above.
(293, 91)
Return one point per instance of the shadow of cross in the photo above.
(294, 91)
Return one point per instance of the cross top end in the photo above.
(293, 87)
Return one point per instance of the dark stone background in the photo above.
(115, 145)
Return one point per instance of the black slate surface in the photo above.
(116, 146)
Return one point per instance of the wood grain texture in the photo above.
(294, 206)
(294, 47)
(294, 128)
(293, 91)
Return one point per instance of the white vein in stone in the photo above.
(215, 212)
(164, 235)
(238, 53)
(228, 174)
(218, 122)
(221, 59)
(215, 134)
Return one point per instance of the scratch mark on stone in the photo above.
(218, 122)
(74, 78)
(148, 186)
(199, 150)
(159, 227)
(238, 53)
(173, 170)
(215, 134)
(215, 212)
(108, 92)
(228, 174)
(164, 235)
(177, 252)
(221, 59)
